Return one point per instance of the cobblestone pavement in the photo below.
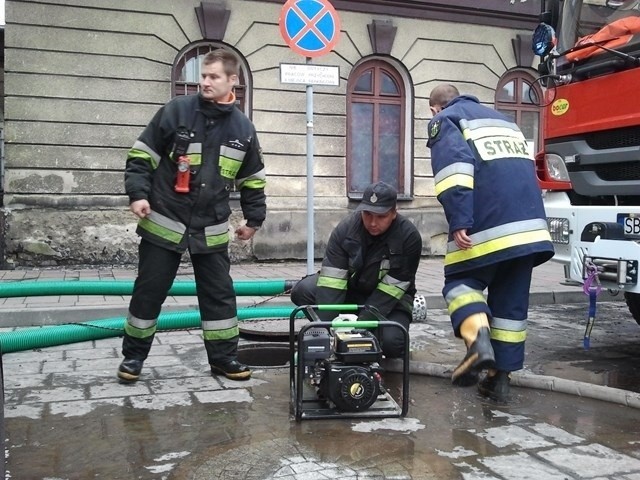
(66, 417)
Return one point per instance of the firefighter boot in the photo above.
(129, 370)
(495, 386)
(476, 335)
(232, 369)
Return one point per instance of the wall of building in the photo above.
(83, 77)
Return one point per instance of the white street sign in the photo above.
(308, 74)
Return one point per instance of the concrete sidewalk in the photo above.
(546, 288)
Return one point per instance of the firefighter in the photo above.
(485, 179)
(178, 177)
(371, 258)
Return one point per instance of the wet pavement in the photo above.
(66, 416)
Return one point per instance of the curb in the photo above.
(530, 380)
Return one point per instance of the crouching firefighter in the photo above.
(485, 179)
(178, 177)
(372, 257)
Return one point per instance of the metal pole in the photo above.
(310, 187)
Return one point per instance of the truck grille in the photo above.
(618, 138)
(617, 172)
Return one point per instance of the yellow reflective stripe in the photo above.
(253, 184)
(456, 180)
(257, 180)
(150, 224)
(146, 156)
(221, 334)
(334, 272)
(195, 159)
(461, 289)
(223, 329)
(222, 324)
(390, 290)
(495, 245)
(466, 299)
(229, 167)
(217, 234)
(139, 332)
(336, 283)
(215, 240)
(139, 328)
(508, 336)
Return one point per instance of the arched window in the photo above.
(377, 124)
(186, 73)
(518, 97)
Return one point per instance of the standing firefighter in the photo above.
(485, 179)
(178, 177)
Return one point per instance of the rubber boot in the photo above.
(477, 337)
(496, 386)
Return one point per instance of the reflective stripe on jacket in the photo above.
(485, 179)
(223, 151)
(379, 271)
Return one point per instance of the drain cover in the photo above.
(274, 327)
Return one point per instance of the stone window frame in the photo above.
(518, 104)
(395, 70)
(181, 86)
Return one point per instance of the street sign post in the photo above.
(310, 28)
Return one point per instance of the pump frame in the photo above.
(304, 401)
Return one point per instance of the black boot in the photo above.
(129, 370)
(496, 386)
(232, 369)
(479, 357)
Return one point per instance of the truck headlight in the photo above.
(556, 168)
(559, 229)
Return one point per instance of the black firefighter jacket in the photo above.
(378, 271)
(223, 151)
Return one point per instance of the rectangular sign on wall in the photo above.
(308, 74)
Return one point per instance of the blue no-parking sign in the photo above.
(310, 27)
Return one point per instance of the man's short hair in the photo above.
(229, 60)
(442, 94)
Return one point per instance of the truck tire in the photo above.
(633, 302)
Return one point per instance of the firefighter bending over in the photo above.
(485, 179)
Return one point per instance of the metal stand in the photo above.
(305, 403)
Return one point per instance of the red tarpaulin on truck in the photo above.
(613, 35)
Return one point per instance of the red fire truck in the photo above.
(589, 166)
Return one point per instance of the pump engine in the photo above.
(343, 366)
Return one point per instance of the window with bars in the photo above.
(186, 74)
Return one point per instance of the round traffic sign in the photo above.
(310, 27)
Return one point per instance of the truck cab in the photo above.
(589, 166)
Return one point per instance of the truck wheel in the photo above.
(633, 302)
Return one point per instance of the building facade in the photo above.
(83, 77)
